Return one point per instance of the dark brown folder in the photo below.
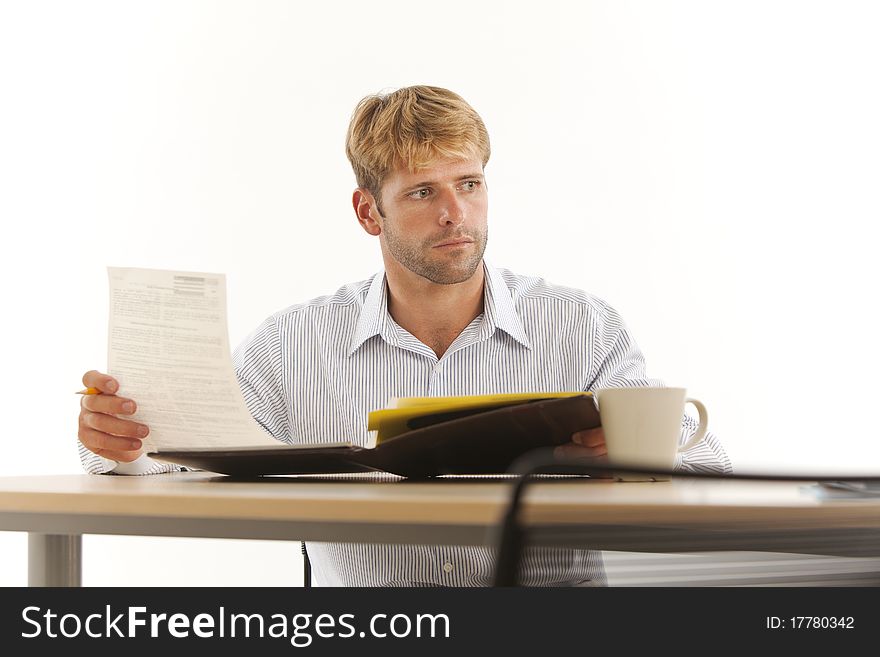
(462, 442)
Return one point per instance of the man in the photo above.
(439, 321)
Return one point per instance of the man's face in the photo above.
(434, 221)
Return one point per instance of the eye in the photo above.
(470, 185)
(424, 192)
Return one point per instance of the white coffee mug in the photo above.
(643, 425)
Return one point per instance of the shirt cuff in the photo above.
(141, 465)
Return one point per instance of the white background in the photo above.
(709, 169)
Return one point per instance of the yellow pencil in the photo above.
(89, 391)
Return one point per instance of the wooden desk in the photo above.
(674, 516)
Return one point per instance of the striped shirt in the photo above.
(312, 373)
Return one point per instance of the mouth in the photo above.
(453, 243)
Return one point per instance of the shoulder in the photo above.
(537, 291)
(348, 298)
(329, 312)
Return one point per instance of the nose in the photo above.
(452, 209)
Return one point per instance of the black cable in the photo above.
(511, 538)
(307, 567)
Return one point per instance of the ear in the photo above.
(365, 207)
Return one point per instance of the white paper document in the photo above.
(168, 347)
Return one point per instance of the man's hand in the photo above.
(100, 428)
(587, 446)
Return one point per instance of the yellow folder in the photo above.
(398, 416)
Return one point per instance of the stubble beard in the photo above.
(442, 270)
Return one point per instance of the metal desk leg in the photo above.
(54, 559)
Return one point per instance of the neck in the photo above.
(435, 314)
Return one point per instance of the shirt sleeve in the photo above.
(259, 366)
(95, 464)
(619, 363)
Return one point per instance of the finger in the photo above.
(103, 382)
(102, 443)
(589, 437)
(108, 404)
(122, 457)
(114, 425)
(573, 451)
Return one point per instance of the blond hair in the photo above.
(411, 127)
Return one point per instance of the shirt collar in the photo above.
(498, 307)
(373, 313)
(499, 311)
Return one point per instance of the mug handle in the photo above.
(704, 424)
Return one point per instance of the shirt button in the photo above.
(438, 368)
(448, 567)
